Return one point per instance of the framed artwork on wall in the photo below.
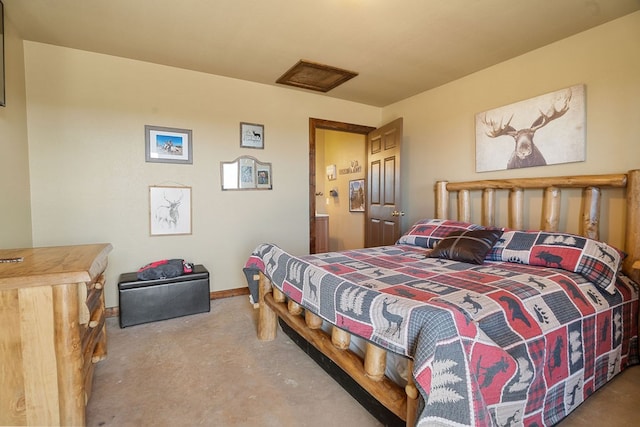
(168, 145)
(263, 173)
(356, 195)
(545, 130)
(331, 172)
(251, 135)
(246, 173)
(169, 210)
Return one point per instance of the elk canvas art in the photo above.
(545, 130)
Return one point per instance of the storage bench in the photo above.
(143, 301)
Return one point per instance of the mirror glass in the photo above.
(230, 176)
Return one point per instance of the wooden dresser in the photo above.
(52, 332)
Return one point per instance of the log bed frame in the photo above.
(368, 372)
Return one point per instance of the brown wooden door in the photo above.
(383, 182)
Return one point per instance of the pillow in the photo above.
(466, 245)
(596, 261)
(428, 232)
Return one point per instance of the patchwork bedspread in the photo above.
(493, 344)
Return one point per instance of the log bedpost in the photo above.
(267, 318)
(591, 213)
(442, 200)
(489, 207)
(516, 209)
(464, 206)
(631, 264)
(412, 396)
(551, 209)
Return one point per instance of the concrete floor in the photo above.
(210, 369)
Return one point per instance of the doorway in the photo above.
(314, 126)
(340, 207)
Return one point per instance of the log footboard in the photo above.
(367, 372)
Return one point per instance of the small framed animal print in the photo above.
(251, 135)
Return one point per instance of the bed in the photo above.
(500, 326)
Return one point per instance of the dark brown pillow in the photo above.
(466, 246)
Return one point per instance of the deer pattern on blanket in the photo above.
(493, 344)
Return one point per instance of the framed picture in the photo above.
(246, 173)
(168, 145)
(251, 135)
(331, 172)
(169, 210)
(263, 173)
(545, 130)
(356, 195)
(2, 93)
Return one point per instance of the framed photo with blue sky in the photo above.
(168, 145)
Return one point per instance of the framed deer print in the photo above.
(168, 145)
(251, 135)
(545, 130)
(169, 210)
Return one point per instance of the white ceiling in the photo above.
(399, 48)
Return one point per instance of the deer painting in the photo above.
(525, 153)
(168, 214)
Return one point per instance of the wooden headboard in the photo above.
(590, 217)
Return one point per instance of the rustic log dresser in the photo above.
(52, 332)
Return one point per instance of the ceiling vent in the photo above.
(313, 76)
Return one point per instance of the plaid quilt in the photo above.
(493, 344)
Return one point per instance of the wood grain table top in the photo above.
(48, 266)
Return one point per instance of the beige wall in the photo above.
(439, 134)
(15, 226)
(346, 229)
(89, 178)
(89, 182)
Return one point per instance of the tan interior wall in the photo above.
(90, 181)
(439, 134)
(15, 227)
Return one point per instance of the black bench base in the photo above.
(143, 301)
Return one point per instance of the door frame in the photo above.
(315, 124)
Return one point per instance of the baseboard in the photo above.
(115, 311)
(229, 293)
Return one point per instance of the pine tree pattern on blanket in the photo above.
(493, 344)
